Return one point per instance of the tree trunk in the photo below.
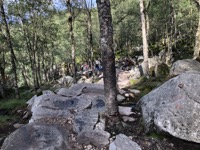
(70, 21)
(89, 34)
(12, 54)
(196, 54)
(108, 61)
(144, 39)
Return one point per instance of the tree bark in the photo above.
(108, 61)
(196, 54)
(70, 21)
(12, 54)
(89, 33)
(144, 39)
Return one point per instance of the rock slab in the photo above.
(122, 142)
(174, 107)
(37, 137)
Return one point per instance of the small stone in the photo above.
(127, 95)
(134, 91)
(120, 98)
(17, 125)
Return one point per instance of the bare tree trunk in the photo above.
(2, 79)
(196, 54)
(89, 32)
(12, 54)
(70, 21)
(144, 39)
(25, 77)
(108, 61)
(30, 49)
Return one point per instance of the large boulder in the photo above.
(184, 65)
(174, 107)
(37, 137)
(48, 106)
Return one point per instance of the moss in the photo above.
(156, 135)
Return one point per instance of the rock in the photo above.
(47, 92)
(120, 98)
(122, 142)
(135, 72)
(85, 120)
(123, 79)
(128, 119)
(134, 91)
(68, 92)
(126, 95)
(122, 92)
(174, 107)
(48, 106)
(98, 104)
(66, 81)
(125, 111)
(97, 138)
(31, 101)
(37, 136)
(17, 125)
(26, 115)
(184, 65)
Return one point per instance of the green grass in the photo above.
(12, 104)
(146, 85)
(5, 118)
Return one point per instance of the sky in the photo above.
(59, 3)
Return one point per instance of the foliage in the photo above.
(41, 38)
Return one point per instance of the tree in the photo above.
(88, 7)
(144, 38)
(196, 54)
(10, 45)
(70, 21)
(108, 61)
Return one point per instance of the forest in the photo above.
(46, 41)
(37, 38)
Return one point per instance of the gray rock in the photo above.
(48, 106)
(17, 125)
(122, 142)
(98, 104)
(85, 120)
(120, 98)
(37, 136)
(68, 92)
(97, 138)
(31, 101)
(66, 81)
(174, 107)
(47, 92)
(182, 66)
(134, 91)
(126, 111)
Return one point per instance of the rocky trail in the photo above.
(71, 118)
